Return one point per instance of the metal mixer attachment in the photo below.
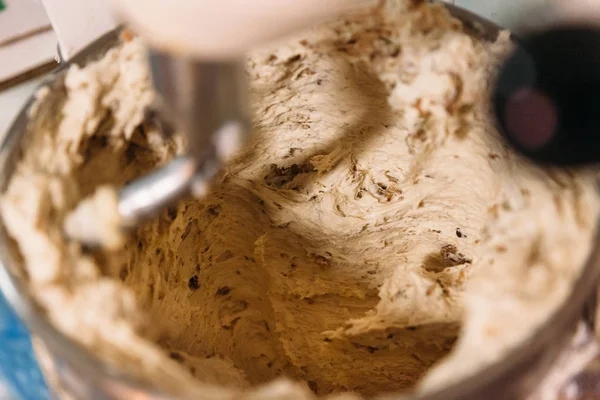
(207, 102)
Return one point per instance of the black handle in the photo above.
(547, 96)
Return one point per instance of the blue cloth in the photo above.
(20, 375)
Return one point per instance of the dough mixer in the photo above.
(197, 69)
(208, 102)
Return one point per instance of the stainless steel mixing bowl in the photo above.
(81, 375)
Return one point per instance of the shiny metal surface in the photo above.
(200, 97)
(205, 101)
(142, 198)
(84, 376)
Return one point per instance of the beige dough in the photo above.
(374, 236)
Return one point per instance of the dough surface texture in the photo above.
(375, 234)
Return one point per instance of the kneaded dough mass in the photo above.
(375, 234)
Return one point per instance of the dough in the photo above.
(375, 235)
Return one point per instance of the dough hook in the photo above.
(208, 103)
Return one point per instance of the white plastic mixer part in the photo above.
(224, 28)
